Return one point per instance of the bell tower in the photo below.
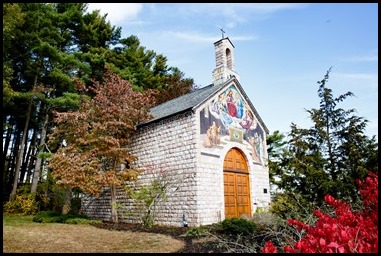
(225, 66)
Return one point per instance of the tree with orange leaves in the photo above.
(97, 135)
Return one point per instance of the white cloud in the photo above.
(229, 8)
(197, 37)
(358, 83)
(372, 56)
(236, 13)
(117, 12)
(359, 77)
(365, 58)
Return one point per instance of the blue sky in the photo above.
(281, 50)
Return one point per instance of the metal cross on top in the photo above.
(222, 32)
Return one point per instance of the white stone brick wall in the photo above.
(259, 179)
(167, 146)
(172, 146)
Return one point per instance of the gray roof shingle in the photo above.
(183, 103)
(193, 99)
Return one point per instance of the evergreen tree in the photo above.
(326, 158)
(45, 47)
(42, 72)
(275, 149)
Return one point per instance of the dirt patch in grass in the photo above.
(203, 244)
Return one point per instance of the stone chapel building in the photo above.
(210, 145)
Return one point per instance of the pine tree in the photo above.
(326, 158)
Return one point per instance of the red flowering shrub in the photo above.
(346, 232)
(269, 248)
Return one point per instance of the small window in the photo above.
(265, 191)
(229, 59)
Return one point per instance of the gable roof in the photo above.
(194, 99)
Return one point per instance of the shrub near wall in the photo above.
(346, 232)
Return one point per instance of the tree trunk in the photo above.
(37, 168)
(28, 157)
(114, 213)
(7, 141)
(67, 202)
(11, 161)
(7, 161)
(20, 152)
(32, 160)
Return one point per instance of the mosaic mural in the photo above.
(229, 119)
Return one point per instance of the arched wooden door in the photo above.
(236, 185)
